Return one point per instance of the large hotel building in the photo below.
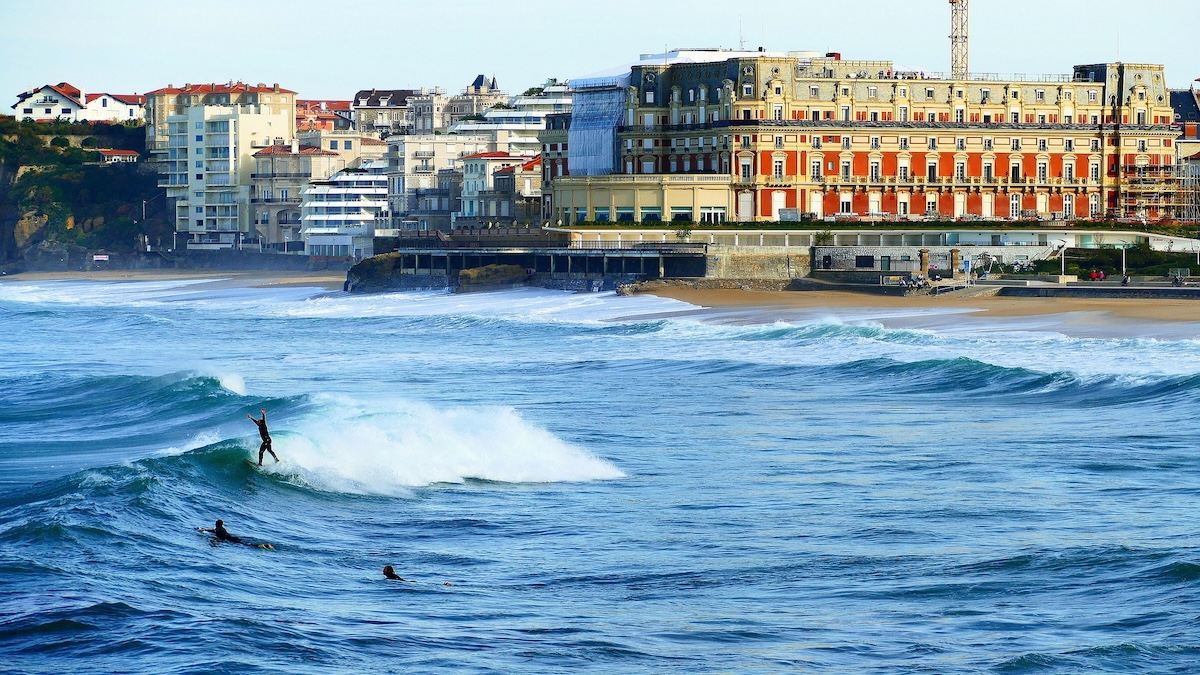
(715, 135)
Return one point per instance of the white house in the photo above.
(67, 102)
(113, 108)
(111, 156)
(49, 102)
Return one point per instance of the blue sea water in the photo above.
(615, 485)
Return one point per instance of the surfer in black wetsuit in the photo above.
(389, 573)
(221, 534)
(266, 436)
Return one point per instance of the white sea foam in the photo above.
(1072, 343)
(534, 305)
(232, 382)
(392, 448)
(92, 293)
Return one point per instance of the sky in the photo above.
(330, 50)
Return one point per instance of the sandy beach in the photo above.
(329, 280)
(1138, 309)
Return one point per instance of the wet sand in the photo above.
(328, 280)
(1140, 309)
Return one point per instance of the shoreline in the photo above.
(328, 280)
(1125, 310)
(1122, 315)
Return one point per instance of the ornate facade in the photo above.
(861, 140)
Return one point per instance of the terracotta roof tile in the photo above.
(315, 105)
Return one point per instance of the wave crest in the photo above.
(347, 449)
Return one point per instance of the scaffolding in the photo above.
(1169, 192)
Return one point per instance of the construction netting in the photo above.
(592, 138)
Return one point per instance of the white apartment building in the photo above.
(209, 168)
(203, 138)
(338, 215)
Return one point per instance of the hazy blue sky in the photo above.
(332, 49)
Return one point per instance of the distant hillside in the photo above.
(53, 188)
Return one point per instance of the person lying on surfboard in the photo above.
(221, 534)
(266, 436)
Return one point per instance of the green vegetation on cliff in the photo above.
(53, 188)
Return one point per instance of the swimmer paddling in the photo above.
(221, 534)
(266, 436)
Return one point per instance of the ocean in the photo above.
(587, 483)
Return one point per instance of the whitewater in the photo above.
(587, 482)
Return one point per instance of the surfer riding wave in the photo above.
(266, 436)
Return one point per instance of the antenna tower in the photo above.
(959, 67)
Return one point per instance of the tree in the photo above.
(60, 142)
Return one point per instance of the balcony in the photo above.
(424, 154)
(924, 182)
(423, 169)
(292, 174)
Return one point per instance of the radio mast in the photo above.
(959, 68)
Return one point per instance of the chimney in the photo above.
(276, 86)
(295, 146)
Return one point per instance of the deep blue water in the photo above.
(609, 484)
